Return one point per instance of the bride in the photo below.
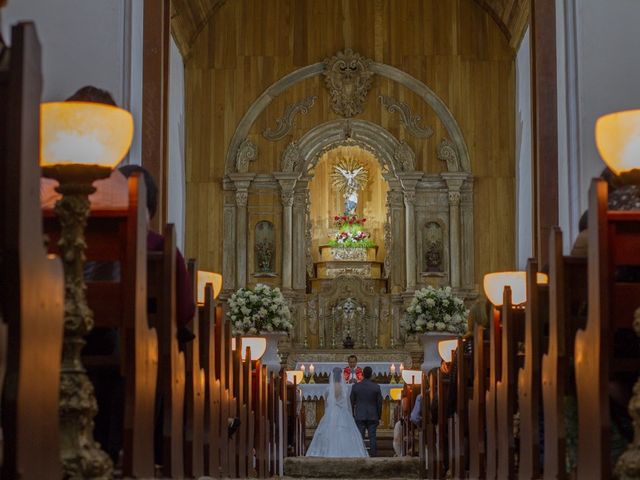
(337, 434)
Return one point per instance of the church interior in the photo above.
(225, 223)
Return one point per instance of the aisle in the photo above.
(380, 467)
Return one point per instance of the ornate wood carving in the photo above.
(348, 79)
(286, 122)
(407, 118)
(405, 157)
(291, 158)
(447, 152)
(247, 152)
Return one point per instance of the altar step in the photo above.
(354, 468)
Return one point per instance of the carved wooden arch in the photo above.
(384, 70)
(363, 133)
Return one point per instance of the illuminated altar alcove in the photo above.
(326, 201)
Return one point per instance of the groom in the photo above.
(366, 399)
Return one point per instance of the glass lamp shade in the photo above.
(395, 393)
(215, 279)
(84, 133)
(294, 374)
(412, 377)
(618, 140)
(446, 348)
(258, 346)
(494, 284)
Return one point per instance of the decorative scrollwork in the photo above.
(405, 157)
(286, 122)
(447, 152)
(348, 79)
(291, 158)
(247, 152)
(407, 118)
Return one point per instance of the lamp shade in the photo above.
(494, 284)
(84, 133)
(618, 140)
(412, 376)
(446, 349)
(214, 279)
(258, 346)
(395, 393)
(295, 374)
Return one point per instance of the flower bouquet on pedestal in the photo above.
(438, 315)
(261, 311)
(351, 233)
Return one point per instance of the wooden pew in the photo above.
(442, 394)
(529, 377)
(32, 284)
(171, 371)
(120, 236)
(567, 290)
(506, 389)
(194, 394)
(614, 237)
(460, 431)
(477, 411)
(491, 421)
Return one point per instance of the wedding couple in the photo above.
(342, 428)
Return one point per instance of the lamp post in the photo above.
(81, 143)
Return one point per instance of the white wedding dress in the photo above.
(337, 434)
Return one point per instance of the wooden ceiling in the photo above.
(189, 17)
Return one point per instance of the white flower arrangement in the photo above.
(259, 310)
(436, 310)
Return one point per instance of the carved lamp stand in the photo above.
(101, 136)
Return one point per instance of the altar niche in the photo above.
(328, 200)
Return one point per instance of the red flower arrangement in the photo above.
(341, 221)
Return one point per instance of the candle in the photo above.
(302, 367)
(401, 367)
(393, 369)
(312, 369)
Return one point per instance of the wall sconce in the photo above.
(446, 349)
(412, 377)
(296, 375)
(215, 279)
(80, 143)
(618, 141)
(395, 393)
(494, 284)
(258, 346)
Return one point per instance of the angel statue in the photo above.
(348, 177)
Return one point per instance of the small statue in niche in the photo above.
(433, 256)
(433, 247)
(264, 254)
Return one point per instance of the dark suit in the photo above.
(366, 398)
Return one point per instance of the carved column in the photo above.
(300, 200)
(409, 181)
(242, 182)
(229, 238)
(287, 184)
(454, 182)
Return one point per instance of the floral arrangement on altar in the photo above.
(350, 233)
(259, 310)
(436, 310)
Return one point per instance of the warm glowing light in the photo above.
(401, 368)
(303, 368)
(395, 393)
(618, 140)
(215, 279)
(393, 369)
(296, 375)
(412, 377)
(84, 133)
(258, 346)
(312, 369)
(446, 349)
(494, 284)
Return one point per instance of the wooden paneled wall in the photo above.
(453, 46)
